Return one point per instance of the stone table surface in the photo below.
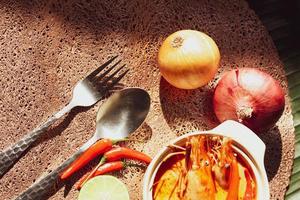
(47, 46)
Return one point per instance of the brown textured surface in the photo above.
(47, 46)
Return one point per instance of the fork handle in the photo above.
(42, 187)
(11, 155)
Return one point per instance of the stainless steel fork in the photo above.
(86, 93)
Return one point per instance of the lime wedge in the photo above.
(104, 188)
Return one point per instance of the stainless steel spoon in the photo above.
(120, 115)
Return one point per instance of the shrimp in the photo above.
(226, 170)
(200, 184)
(199, 170)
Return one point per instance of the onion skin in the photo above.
(188, 59)
(249, 96)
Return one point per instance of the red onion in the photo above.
(249, 96)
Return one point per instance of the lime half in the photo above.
(104, 188)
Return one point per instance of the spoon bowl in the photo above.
(121, 114)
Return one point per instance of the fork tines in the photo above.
(104, 80)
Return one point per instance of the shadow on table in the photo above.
(187, 110)
(273, 155)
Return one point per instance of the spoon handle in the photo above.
(46, 184)
(12, 154)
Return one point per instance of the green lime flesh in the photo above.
(104, 188)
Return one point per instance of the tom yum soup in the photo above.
(206, 167)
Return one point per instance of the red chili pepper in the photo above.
(106, 168)
(234, 180)
(249, 190)
(95, 150)
(118, 153)
(123, 152)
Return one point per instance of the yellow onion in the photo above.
(188, 59)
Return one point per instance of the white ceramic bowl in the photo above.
(246, 142)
